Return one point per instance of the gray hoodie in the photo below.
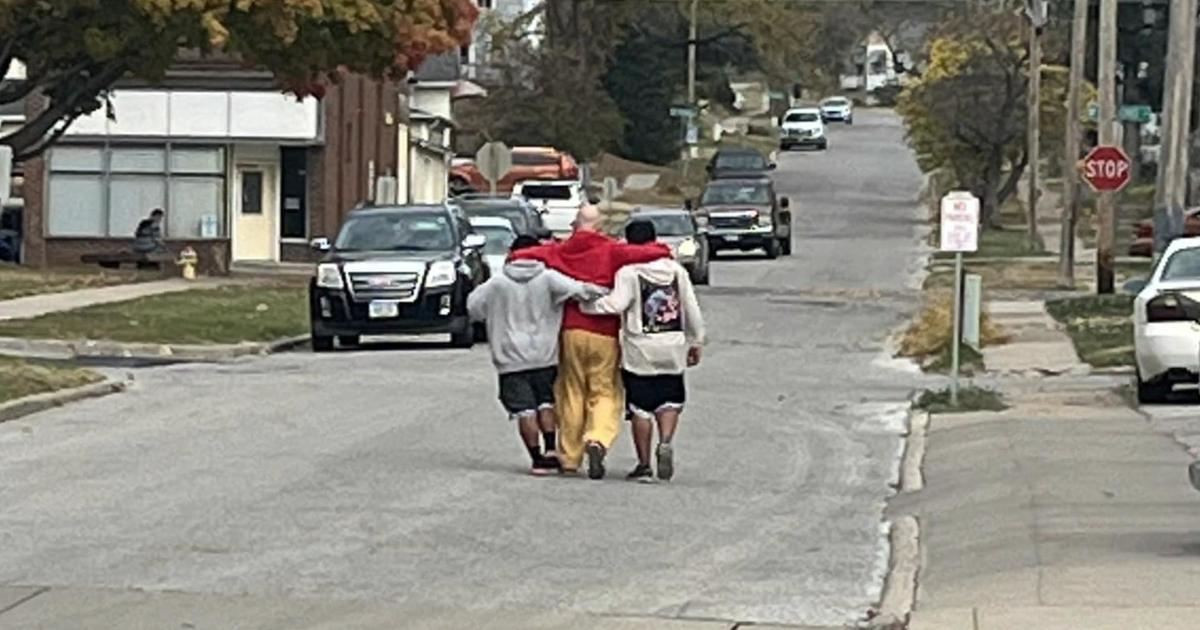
(660, 316)
(523, 308)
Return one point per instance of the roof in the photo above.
(492, 222)
(739, 150)
(438, 68)
(372, 210)
(740, 181)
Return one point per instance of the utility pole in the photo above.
(1074, 133)
(691, 78)
(1170, 196)
(1036, 11)
(1106, 204)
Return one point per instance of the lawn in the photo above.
(927, 338)
(970, 398)
(233, 314)
(1003, 275)
(1101, 327)
(21, 378)
(17, 281)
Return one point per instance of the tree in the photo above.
(75, 50)
(966, 113)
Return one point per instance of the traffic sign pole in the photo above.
(955, 340)
(958, 233)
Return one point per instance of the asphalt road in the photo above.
(393, 476)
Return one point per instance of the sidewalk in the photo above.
(1067, 512)
(36, 305)
(1037, 346)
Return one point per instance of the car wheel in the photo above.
(322, 343)
(463, 338)
(772, 249)
(348, 341)
(1150, 393)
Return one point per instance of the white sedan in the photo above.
(1166, 321)
(500, 235)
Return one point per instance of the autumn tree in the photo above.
(75, 50)
(966, 114)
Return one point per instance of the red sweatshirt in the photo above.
(595, 258)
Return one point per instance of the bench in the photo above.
(116, 260)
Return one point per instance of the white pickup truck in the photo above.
(558, 201)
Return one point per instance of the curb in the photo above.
(182, 353)
(40, 402)
(900, 587)
(912, 479)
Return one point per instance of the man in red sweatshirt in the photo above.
(589, 394)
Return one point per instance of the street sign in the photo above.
(1106, 169)
(693, 134)
(6, 161)
(960, 222)
(683, 112)
(1127, 113)
(494, 159)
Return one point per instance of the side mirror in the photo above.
(474, 241)
(321, 244)
(785, 203)
(1135, 286)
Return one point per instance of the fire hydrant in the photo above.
(187, 260)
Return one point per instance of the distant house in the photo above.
(427, 136)
(244, 172)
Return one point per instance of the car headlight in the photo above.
(441, 274)
(687, 248)
(817, 133)
(329, 276)
(701, 221)
(764, 219)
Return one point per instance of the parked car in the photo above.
(525, 219)
(1166, 338)
(528, 163)
(678, 229)
(500, 236)
(558, 201)
(837, 108)
(738, 164)
(803, 127)
(396, 270)
(1143, 233)
(745, 214)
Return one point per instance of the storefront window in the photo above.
(105, 192)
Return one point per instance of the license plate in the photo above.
(732, 237)
(378, 309)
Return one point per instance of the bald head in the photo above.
(588, 219)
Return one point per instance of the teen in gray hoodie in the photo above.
(523, 311)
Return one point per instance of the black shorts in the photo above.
(524, 393)
(647, 395)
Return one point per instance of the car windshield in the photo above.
(756, 194)
(1183, 265)
(543, 191)
(524, 158)
(515, 214)
(499, 239)
(803, 117)
(407, 231)
(669, 224)
(741, 161)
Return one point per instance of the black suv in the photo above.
(525, 218)
(396, 270)
(745, 214)
(735, 163)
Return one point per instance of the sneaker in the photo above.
(642, 473)
(544, 467)
(552, 461)
(595, 457)
(666, 462)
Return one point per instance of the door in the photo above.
(255, 236)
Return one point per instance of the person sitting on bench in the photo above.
(148, 238)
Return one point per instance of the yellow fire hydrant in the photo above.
(187, 260)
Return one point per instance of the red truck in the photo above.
(527, 163)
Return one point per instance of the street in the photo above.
(392, 475)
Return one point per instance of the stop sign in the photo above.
(1106, 169)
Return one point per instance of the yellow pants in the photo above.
(588, 392)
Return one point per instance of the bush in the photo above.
(929, 335)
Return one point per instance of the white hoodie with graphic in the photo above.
(660, 316)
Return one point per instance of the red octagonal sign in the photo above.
(1106, 169)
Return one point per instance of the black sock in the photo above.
(550, 438)
(535, 453)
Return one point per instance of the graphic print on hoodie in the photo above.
(660, 306)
